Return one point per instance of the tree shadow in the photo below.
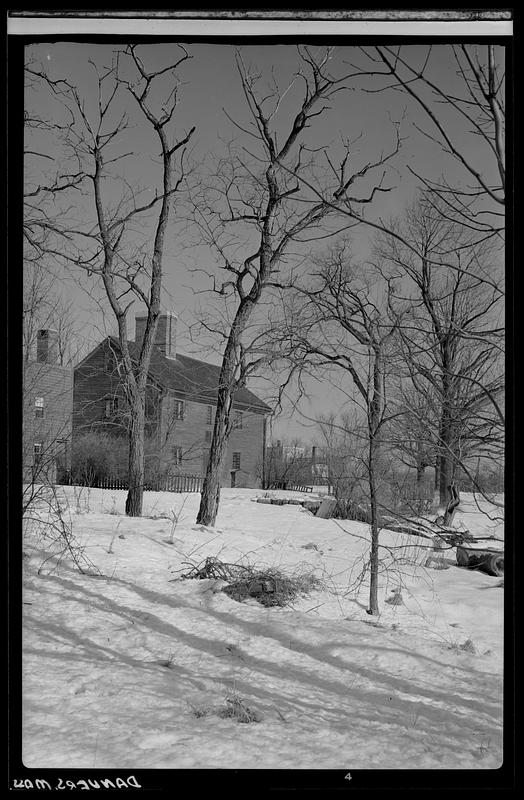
(380, 688)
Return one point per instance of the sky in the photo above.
(209, 97)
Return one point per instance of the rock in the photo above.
(326, 508)
(395, 599)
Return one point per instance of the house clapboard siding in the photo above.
(181, 391)
(47, 412)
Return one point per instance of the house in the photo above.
(295, 465)
(47, 412)
(181, 397)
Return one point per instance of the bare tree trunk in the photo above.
(135, 494)
(375, 412)
(445, 432)
(373, 586)
(446, 474)
(454, 500)
(420, 486)
(446, 458)
(421, 470)
(210, 496)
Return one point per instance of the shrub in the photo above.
(97, 455)
(347, 508)
(489, 479)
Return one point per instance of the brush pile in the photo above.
(268, 585)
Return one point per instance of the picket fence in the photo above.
(169, 483)
(176, 483)
(290, 487)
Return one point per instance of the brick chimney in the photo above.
(47, 346)
(165, 338)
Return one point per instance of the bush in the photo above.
(97, 455)
(353, 510)
(487, 480)
(397, 493)
(402, 494)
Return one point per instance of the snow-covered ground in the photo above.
(127, 667)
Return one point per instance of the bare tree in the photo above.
(47, 179)
(117, 213)
(465, 114)
(44, 308)
(344, 448)
(340, 323)
(51, 342)
(288, 462)
(451, 338)
(258, 208)
(413, 435)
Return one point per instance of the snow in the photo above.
(127, 667)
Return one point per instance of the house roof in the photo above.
(192, 378)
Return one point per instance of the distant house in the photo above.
(281, 470)
(181, 400)
(47, 412)
(291, 465)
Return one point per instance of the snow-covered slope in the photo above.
(130, 668)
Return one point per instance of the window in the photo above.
(177, 455)
(151, 407)
(111, 406)
(207, 436)
(237, 420)
(236, 460)
(209, 416)
(178, 409)
(38, 449)
(39, 406)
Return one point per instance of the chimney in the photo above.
(165, 338)
(47, 346)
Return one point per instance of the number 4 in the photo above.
(347, 777)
